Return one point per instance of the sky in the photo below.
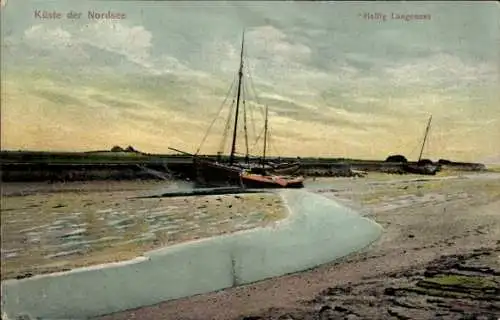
(338, 79)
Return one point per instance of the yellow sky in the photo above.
(32, 123)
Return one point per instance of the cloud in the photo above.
(92, 43)
(43, 36)
(101, 41)
(441, 69)
(268, 41)
(133, 42)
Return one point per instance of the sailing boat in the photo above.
(284, 167)
(216, 173)
(423, 166)
(260, 177)
(279, 167)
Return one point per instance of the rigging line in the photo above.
(258, 138)
(272, 144)
(426, 135)
(215, 119)
(252, 121)
(269, 135)
(253, 89)
(245, 119)
(227, 127)
(427, 142)
(252, 114)
(416, 145)
(262, 111)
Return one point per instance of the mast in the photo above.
(245, 129)
(265, 139)
(240, 76)
(425, 138)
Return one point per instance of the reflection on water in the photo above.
(40, 230)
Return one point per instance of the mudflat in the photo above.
(57, 227)
(439, 258)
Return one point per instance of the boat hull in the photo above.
(275, 182)
(285, 169)
(216, 174)
(421, 169)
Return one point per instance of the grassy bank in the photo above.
(30, 166)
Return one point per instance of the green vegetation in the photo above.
(473, 282)
(80, 157)
(130, 156)
(455, 286)
(104, 156)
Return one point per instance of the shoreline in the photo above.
(202, 266)
(440, 223)
(115, 166)
(67, 228)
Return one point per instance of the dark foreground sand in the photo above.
(439, 258)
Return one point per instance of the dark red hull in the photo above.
(215, 174)
(218, 175)
(275, 182)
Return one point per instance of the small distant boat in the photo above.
(211, 172)
(423, 166)
(285, 168)
(425, 169)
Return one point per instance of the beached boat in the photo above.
(211, 172)
(285, 168)
(423, 166)
(425, 169)
(252, 178)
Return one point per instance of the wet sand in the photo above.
(57, 227)
(437, 259)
